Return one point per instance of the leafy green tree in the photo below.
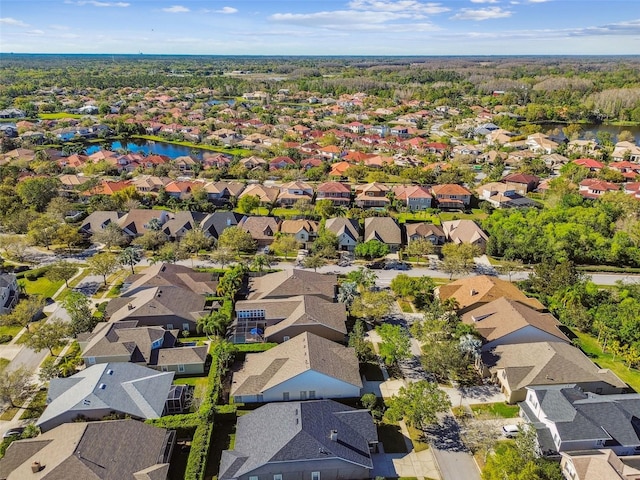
(262, 261)
(326, 244)
(103, 264)
(458, 258)
(48, 336)
(59, 208)
(372, 249)
(445, 360)
(420, 248)
(372, 305)
(129, 257)
(314, 261)
(285, 244)
(111, 235)
(13, 246)
(151, 239)
(223, 256)
(395, 345)
(61, 271)
(231, 281)
(248, 203)
(236, 240)
(78, 306)
(16, 385)
(410, 287)
(358, 342)
(68, 235)
(195, 240)
(43, 230)
(418, 404)
(24, 312)
(325, 208)
(37, 192)
(363, 277)
(170, 252)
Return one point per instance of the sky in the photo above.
(330, 27)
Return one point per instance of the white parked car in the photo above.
(510, 431)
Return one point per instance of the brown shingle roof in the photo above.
(307, 351)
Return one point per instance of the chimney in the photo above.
(473, 292)
(333, 435)
(36, 467)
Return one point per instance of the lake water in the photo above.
(614, 130)
(153, 148)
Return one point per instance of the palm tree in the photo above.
(470, 346)
(216, 324)
(129, 256)
(347, 293)
(261, 261)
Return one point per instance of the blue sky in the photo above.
(303, 27)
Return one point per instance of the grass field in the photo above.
(37, 406)
(495, 410)
(405, 306)
(58, 116)
(438, 218)
(42, 286)
(590, 347)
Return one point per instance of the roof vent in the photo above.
(36, 467)
(109, 372)
(102, 386)
(473, 292)
(333, 435)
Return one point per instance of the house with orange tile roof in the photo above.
(414, 197)
(108, 187)
(339, 193)
(331, 152)
(339, 169)
(451, 195)
(590, 163)
(593, 188)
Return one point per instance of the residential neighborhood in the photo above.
(274, 278)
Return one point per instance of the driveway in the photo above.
(453, 458)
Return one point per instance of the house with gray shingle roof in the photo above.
(515, 367)
(347, 230)
(568, 419)
(290, 283)
(314, 440)
(109, 450)
(305, 367)
(101, 390)
(383, 229)
(154, 347)
(9, 292)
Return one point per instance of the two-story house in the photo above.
(339, 193)
(451, 195)
(414, 197)
(8, 292)
(372, 195)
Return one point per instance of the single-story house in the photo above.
(105, 389)
(383, 229)
(305, 367)
(115, 449)
(506, 322)
(291, 283)
(515, 367)
(319, 439)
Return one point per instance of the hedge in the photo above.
(221, 354)
(254, 347)
(34, 274)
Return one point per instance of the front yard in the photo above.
(495, 410)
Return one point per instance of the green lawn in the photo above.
(42, 286)
(437, 218)
(590, 347)
(37, 406)
(276, 212)
(58, 116)
(405, 306)
(417, 438)
(495, 410)
(199, 384)
(10, 330)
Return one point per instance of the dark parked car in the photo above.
(376, 265)
(16, 431)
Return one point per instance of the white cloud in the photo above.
(539, 1)
(428, 8)
(484, 1)
(35, 32)
(13, 21)
(489, 13)
(337, 17)
(227, 10)
(176, 9)
(96, 3)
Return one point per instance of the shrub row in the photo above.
(34, 274)
(221, 354)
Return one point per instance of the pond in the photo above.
(149, 147)
(592, 129)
